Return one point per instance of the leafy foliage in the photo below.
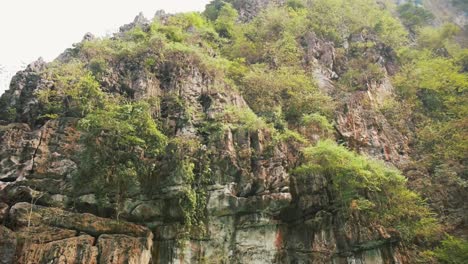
(225, 21)
(337, 19)
(183, 161)
(433, 81)
(121, 143)
(438, 40)
(289, 89)
(452, 251)
(244, 118)
(75, 92)
(266, 60)
(270, 38)
(361, 74)
(319, 122)
(414, 16)
(370, 188)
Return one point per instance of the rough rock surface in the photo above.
(249, 9)
(256, 211)
(51, 235)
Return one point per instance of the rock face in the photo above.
(256, 212)
(49, 235)
(249, 9)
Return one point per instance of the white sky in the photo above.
(44, 28)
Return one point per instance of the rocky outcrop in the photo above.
(247, 193)
(249, 9)
(315, 231)
(254, 210)
(50, 235)
(256, 213)
(359, 121)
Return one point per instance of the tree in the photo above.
(337, 19)
(75, 92)
(370, 188)
(436, 86)
(120, 146)
(414, 16)
(452, 251)
(287, 88)
(438, 40)
(212, 9)
(225, 21)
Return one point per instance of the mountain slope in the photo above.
(256, 132)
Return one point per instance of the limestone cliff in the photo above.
(253, 209)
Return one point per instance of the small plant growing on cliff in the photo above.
(288, 88)
(319, 122)
(244, 118)
(184, 164)
(414, 16)
(75, 92)
(121, 143)
(225, 21)
(370, 188)
(452, 250)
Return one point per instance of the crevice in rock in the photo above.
(35, 153)
(8, 179)
(95, 241)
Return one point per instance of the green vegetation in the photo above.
(75, 92)
(433, 82)
(320, 123)
(243, 118)
(183, 162)
(452, 251)
(438, 40)
(270, 38)
(289, 89)
(371, 188)
(337, 19)
(132, 146)
(121, 143)
(414, 16)
(225, 22)
(361, 73)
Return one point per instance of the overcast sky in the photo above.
(44, 28)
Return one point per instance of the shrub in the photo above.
(318, 121)
(371, 188)
(452, 251)
(120, 145)
(270, 38)
(213, 8)
(225, 21)
(337, 19)
(75, 92)
(437, 39)
(243, 118)
(288, 88)
(414, 16)
(361, 74)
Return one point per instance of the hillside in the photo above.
(265, 131)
